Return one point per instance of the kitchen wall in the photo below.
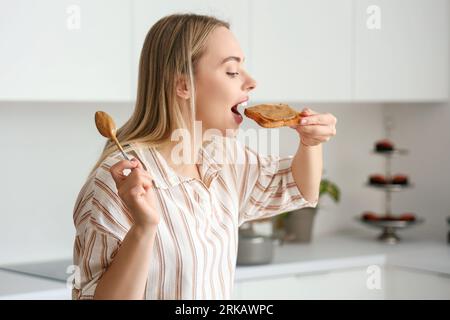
(424, 129)
(48, 149)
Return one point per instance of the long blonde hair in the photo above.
(173, 46)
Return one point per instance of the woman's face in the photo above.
(221, 82)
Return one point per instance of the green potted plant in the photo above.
(297, 225)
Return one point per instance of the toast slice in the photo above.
(273, 115)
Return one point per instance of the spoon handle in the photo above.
(120, 148)
(125, 155)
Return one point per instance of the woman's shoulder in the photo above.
(98, 203)
(101, 179)
(88, 192)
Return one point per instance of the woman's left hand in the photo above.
(315, 128)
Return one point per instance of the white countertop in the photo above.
(351, 248)
(347, 249)
(19, 286)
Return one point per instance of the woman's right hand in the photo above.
(136, 191)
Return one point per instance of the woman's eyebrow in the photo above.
(231, 58)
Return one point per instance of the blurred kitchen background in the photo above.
(369, 63)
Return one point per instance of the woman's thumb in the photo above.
(136, 162)
(306, 112)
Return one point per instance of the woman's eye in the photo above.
(233, 74)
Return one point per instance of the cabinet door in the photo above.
(301, 50)
(406, 59)
(65, 50)
(404, 283)
(339, 284)
(146, 13)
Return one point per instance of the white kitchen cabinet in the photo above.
(406, 59)
(395, 283)
(329, 51)
(301, 50)
(336, 284)
(297, 50)
(146, 13)
(408, 283)
(54, 50)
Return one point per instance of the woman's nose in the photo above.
(250, 83)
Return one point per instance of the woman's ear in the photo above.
(182, 87)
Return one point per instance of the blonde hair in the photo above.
(173, 46)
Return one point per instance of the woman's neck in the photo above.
(182, 159)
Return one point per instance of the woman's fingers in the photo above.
(117, 170)
(307, 112)
(317, 130)
(139, 177)
(139, 164)
(321, 119)
(135, 191)
(136, 185)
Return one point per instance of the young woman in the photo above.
(169, 229)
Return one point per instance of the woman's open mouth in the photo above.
(237, 116)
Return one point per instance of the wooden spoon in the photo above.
(107, 128)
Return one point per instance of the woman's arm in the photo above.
(126, 277)
(307, 164)
(307, 170)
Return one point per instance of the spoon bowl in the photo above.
(107, 128)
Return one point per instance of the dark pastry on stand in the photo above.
(372, 216)
(377, 179)
(400, 179)
(389, 183)
(384, 145)
(408, 216)
(369, 215)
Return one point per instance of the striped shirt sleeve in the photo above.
(101, 225)
(266, 186)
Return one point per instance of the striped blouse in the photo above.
(195, 249)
